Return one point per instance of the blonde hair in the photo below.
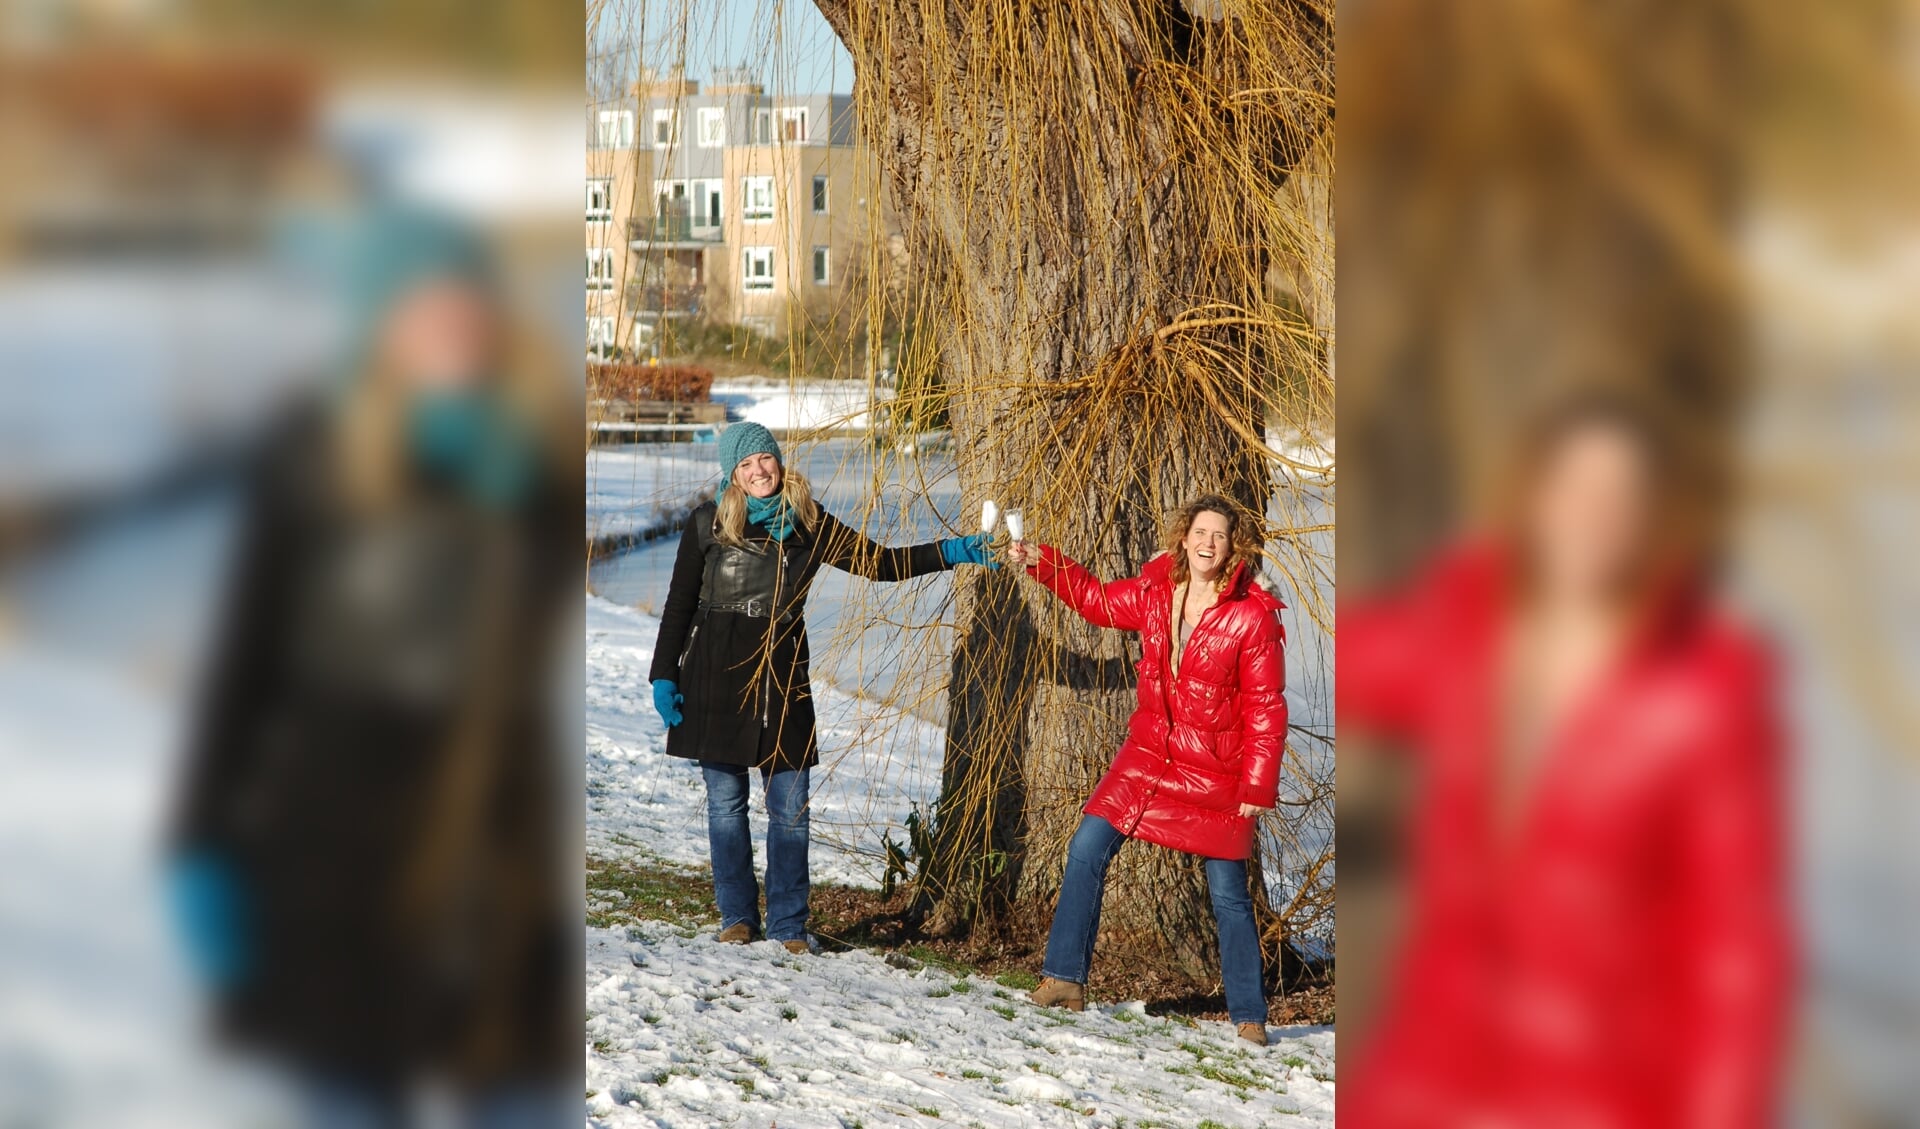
(730, 524)
(1243, 536)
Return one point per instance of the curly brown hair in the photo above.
(1243, 535)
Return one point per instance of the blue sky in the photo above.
(785, 42)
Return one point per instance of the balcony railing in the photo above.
(666, 301)
(671, 229)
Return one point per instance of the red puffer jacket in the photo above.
(1615, 954)
(1201, 742)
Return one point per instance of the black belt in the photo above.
(756, 607)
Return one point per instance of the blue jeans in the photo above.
(730, 842)
(1076, 919)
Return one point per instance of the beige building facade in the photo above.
(729, 206)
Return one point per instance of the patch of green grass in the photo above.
(962, 987)
(621, 892)
(745, 1084)
(788, 1013)
(1295, 1061)
(969, 1073)
(1209, 1123)
(603, 1046)
(926, 1111)
(940, 993)
(1018, 978)
(928, 955)
(1221, 1074)
(1003, 1011)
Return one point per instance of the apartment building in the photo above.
(726, 204)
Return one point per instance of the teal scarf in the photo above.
(468, 439)
(771, 514)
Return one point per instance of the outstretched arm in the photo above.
(1117, 603)
(849, 550)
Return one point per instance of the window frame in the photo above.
(603, 279)
(672, 118)
(603, 213)
(708, 116)
(621, 135)
(751, 283)
(822, 264)
(822, 194)
(748, 212)
(789, 115)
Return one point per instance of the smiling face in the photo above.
(1587, 521)
(1208, 544)
(758, 475)
(440, 336)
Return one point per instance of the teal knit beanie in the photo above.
(742, 439)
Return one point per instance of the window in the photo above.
(600, 268)
(600, 200)
(763, 127)
(666, 128)
(756, 197)
(756, 270)
(713, 127)
(793, 123)
(601, 332)
(820, 276)
(616, 129)
(706, 203)
(819, 195)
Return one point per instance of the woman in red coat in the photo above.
(1596, 932)
(1202, 755)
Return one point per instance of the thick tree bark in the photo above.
(1058, 166)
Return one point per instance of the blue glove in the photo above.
(971, 549)
(667, 699)
(208, 906)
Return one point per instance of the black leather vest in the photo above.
(756, 580)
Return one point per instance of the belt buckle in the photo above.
(756, 606)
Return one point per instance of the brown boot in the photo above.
(739, 933)
(797, 948)
(1255, 1033)
(1060, 993)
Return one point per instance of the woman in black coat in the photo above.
(730, 665)
(369, 856)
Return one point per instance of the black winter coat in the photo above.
(744, 678)
(338, 745)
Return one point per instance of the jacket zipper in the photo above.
(773, 621)
(688, 649)
(1166, 705)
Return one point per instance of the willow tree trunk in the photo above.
(1085, 185)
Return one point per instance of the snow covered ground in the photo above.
(683, 1031)
(800, 405)
(638, 489)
